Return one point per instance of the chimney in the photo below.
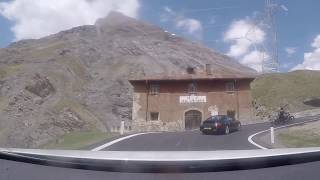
(190, 70)
(208, 69)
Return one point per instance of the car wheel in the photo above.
(227, 130)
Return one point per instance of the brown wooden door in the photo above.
(192, 119)
(231, 113)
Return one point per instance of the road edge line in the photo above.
(117, 140)
(280, 127)
(254, 143)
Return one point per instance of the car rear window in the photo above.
(216, 119)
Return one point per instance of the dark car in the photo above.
(220, 124)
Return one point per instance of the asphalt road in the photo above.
(193, 140)
(189, 141)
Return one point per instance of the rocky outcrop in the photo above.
(40, 86)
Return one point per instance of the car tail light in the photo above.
(217, 125)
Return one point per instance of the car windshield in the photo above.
(147, 75)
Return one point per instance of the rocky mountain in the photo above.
(76, 80)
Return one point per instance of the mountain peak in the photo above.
(118, 23)
(114, 17)
(117, 14)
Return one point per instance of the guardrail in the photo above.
(163, 161)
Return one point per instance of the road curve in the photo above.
(300, 121)
(175, 141)
(194, 140)
(189, 141)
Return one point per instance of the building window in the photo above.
(154, 89)
(192, 88)
(154, 116)
(230, 87)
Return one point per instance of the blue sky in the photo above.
(213, 23)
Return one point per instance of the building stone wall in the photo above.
(172, 112)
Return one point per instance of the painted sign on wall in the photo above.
(193, 99)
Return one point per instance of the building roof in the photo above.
(196, 76)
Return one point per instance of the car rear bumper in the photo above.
(210, 129)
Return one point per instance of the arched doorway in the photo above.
(192, 119)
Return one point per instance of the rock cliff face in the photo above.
(76, 80)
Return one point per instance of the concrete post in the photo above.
(272, 135)
(122, 127)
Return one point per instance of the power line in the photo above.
(211, 9)
(214, 25)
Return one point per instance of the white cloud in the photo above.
(188, 25)
(316, 42)
(38, 18)
(254, 60)
(239, 48)
(167, 9)
(311, 59)
(192, 26)
(290, 51)
(243, 34)
(246, 38)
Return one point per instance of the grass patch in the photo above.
(299, 138)
(7, 70)
(79, 109)
(275, 90)
(46, 50)
(3, 102)
(78, 140)
(77, 71)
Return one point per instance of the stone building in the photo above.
(183, 101)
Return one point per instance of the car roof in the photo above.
(219, 117)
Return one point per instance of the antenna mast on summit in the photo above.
(271, 64)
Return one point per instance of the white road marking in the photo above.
(280, 127)
(255, 144)
(117, 140)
